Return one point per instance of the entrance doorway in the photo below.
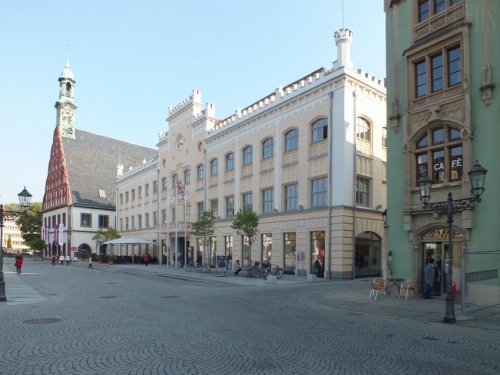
(367, 255)
(436, 245)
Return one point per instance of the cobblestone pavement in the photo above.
(153, 320)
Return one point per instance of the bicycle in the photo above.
(273, 270)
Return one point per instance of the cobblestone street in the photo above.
(113, 320)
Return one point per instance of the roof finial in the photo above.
(68, 56)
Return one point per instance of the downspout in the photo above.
(330, 187)
(158, 206)
(354, 173)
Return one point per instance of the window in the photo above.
(214, 207)
(267, 201)
(247, 201)
(292, 197)
(423, 10)
(103, 221)
(230, 206)
(384, 137)
(175, 180)
(132, 221)
(291, 140)
(214, 167)
(126, 223)
(139, 192)
(85, 220)
(126, 197)
(201, 208)
(439, 154)
(454, 66)
(187, 177)
(362, 191)
(155, 218)
(230, 161)
(445, 63)
(437, 72)
(121, 223)
(146, 190)
(319, 130)
(420, 79)
(121, 198)
(267, 148)
(155, 187)
(319, 188)
(439, 6)
(164, 184)
(247, 155)
(146, 220)
(133, 194)
(139, 221)
(200, 172)
(164, 216)
(363, 129)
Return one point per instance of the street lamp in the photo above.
(24, 202)
(451, 206)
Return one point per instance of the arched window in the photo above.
(267, 148)
(229, 161)
(247, 155)
(363, 129)
(439, 154)
(291, 140)
(319, 130)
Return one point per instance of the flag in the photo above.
(61, 235)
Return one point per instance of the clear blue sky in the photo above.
(132, 59)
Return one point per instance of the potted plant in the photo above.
(100, 258)
(111, 259)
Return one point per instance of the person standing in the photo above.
(429, 278)
(19, 264)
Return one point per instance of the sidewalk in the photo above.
(350, 295)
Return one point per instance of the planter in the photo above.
(110, 262)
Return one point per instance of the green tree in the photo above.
(205, 228)
(37, 244)
(103, 235)
(30, 221)
(246, 223)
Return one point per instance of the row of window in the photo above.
(318, 199)
(85, 220)
(429, 8)
(438, 71)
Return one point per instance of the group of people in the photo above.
(62, 260)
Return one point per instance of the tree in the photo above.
(30, 221)
(103, 235)
(205, 228)
(246, 223)
(37, 244)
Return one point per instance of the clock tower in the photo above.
(65, 105)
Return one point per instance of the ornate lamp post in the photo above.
(449, 207)
(24, 202)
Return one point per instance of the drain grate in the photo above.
(106, 297)
(169, 296)
(42, 321)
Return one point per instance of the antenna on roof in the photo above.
(343, 26)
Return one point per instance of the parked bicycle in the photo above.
(273, 270)
(257, 270)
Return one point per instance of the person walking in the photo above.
(90, 262)
(429, 278)
(237, 268)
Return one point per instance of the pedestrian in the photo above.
(19, 264)
(237, 268)
(53, 260)
(145, 259)
(67, 258)
(429, 272)
(90, 262)
(61, 260)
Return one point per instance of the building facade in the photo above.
(80, 188)
(443, 114)
(309, 159)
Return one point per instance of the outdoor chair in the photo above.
(377, 285)
(408, 288)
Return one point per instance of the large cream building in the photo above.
(309, 159)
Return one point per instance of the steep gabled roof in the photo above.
(91, 163)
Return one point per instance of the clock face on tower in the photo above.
(180, 142)
(68, 111)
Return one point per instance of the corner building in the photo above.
(309, 159)
(443, 114)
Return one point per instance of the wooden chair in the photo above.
(408, 288)
(377, 285)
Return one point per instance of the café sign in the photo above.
(442, 234)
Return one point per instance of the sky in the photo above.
(132, 59)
